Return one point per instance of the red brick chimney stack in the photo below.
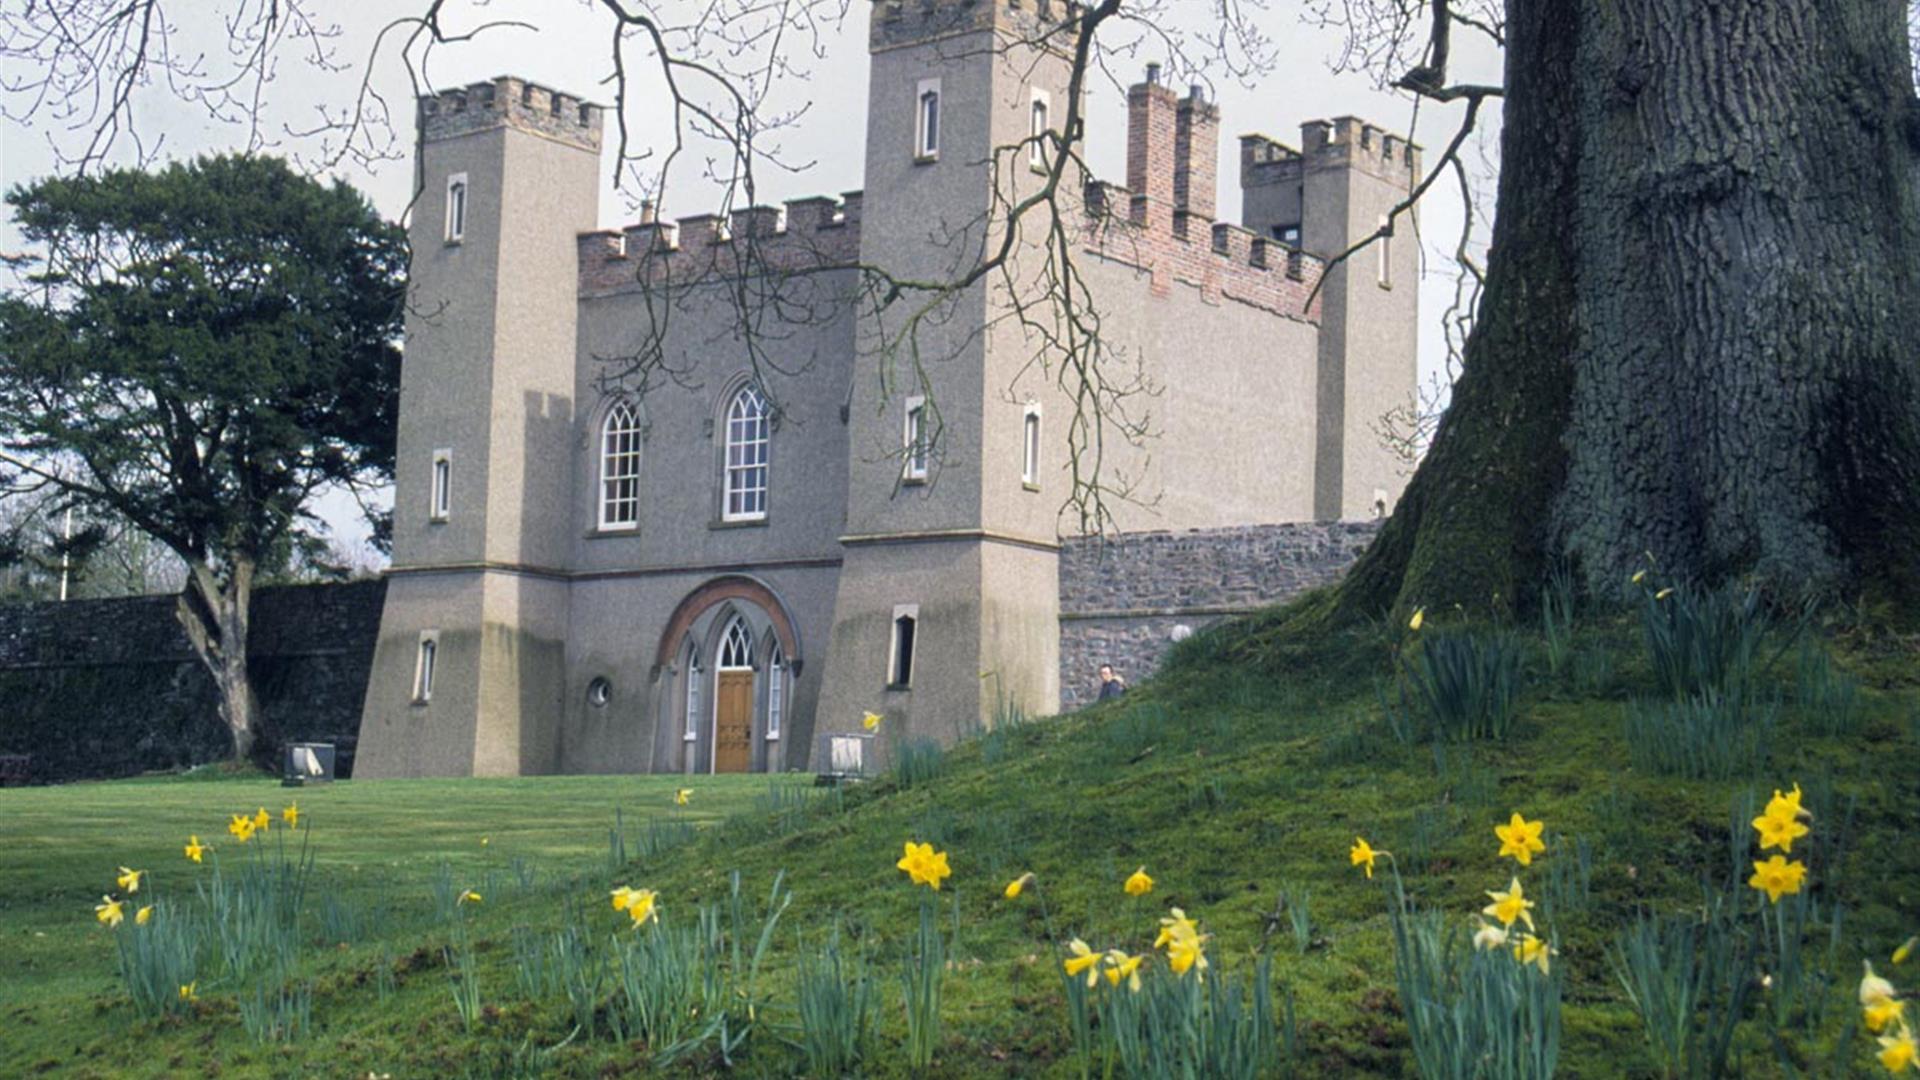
(1150, 139)
(1196, 164)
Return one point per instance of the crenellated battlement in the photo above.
(507, 101)
(1342, 142)
(802, 234)
(1228, 261)
(906, 22)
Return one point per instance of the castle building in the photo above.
(714, 564)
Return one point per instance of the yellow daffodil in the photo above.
(1018, 884)
(1419, 617)
(1081, 959)
(1778, 832)
(291, 815)
(468, 897)
(1520, 838)
(644, 907)
(870, 721)
(1363, 854)
(187, 991)
(1121, 966)
(485, 840)
(1787, 806)
(129, 879)
(683, 796)
(143, 916)
(110, 911)
(1663, 593)
(622, 897)
(1880, 1014)
(1139, 884)
(195, 848)
(1532, 950)
(923, 865)
(1898, 1052)
(241, 827)
(1906, 949)
(1488, 936)
(1638, 576)
(1184, 942)
(1777, 877)
(262, 821)
(1510, 906)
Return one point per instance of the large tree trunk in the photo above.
(215, 615)
(1700, 335)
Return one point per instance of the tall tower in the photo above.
(468, 673)
(949, 587)
(1335, 190)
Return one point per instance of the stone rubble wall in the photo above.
(1122, 598)
(102, 688)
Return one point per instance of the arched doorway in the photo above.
(726, 667)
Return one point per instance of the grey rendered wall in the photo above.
(1121, 598)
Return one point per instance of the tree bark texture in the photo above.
(1700, 335)
(216, 615)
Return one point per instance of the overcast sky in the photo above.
(570, 52)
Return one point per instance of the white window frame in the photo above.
(915, 445)
(1385, 271)
(1030, 446)
(927, 123)
(736, 476)
(459, 199)
(440, 486)
(426, 659)
(1039, 122)
(902, 611)
(619, 501)
(776, 691)
(691, 732)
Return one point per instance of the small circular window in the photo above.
(599, 692)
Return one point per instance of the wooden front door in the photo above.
(733, 724)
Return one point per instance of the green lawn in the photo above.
(1233, 784)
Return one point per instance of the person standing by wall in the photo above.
(1111, 685)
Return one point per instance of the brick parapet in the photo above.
(507, 101)
(818, 232)
(1224, 261)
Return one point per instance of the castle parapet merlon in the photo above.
(1041, 22)
(507, 101)
(1344, 140)
(812, 232)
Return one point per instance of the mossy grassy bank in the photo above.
(1232, 783)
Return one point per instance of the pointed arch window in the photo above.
(776, 691)
(736, 646)
(747, 457)
(620, 468)
(692, 729)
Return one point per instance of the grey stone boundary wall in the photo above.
(1122, 597)
(103, 688)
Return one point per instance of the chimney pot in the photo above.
(1153, 74)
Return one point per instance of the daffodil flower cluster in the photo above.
(641, 905)
(1886, 1016)
(1779, 826)
(924, 866)
(111, 910)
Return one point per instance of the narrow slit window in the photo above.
(905, 626)
(927, 122)
(441, 504)
(1038, 126)
(620, 468)
(692, 730)
(1386, 257)
(423, 668)
(914, 439)
(776, 691)
(1030, 447)
(456, 208)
